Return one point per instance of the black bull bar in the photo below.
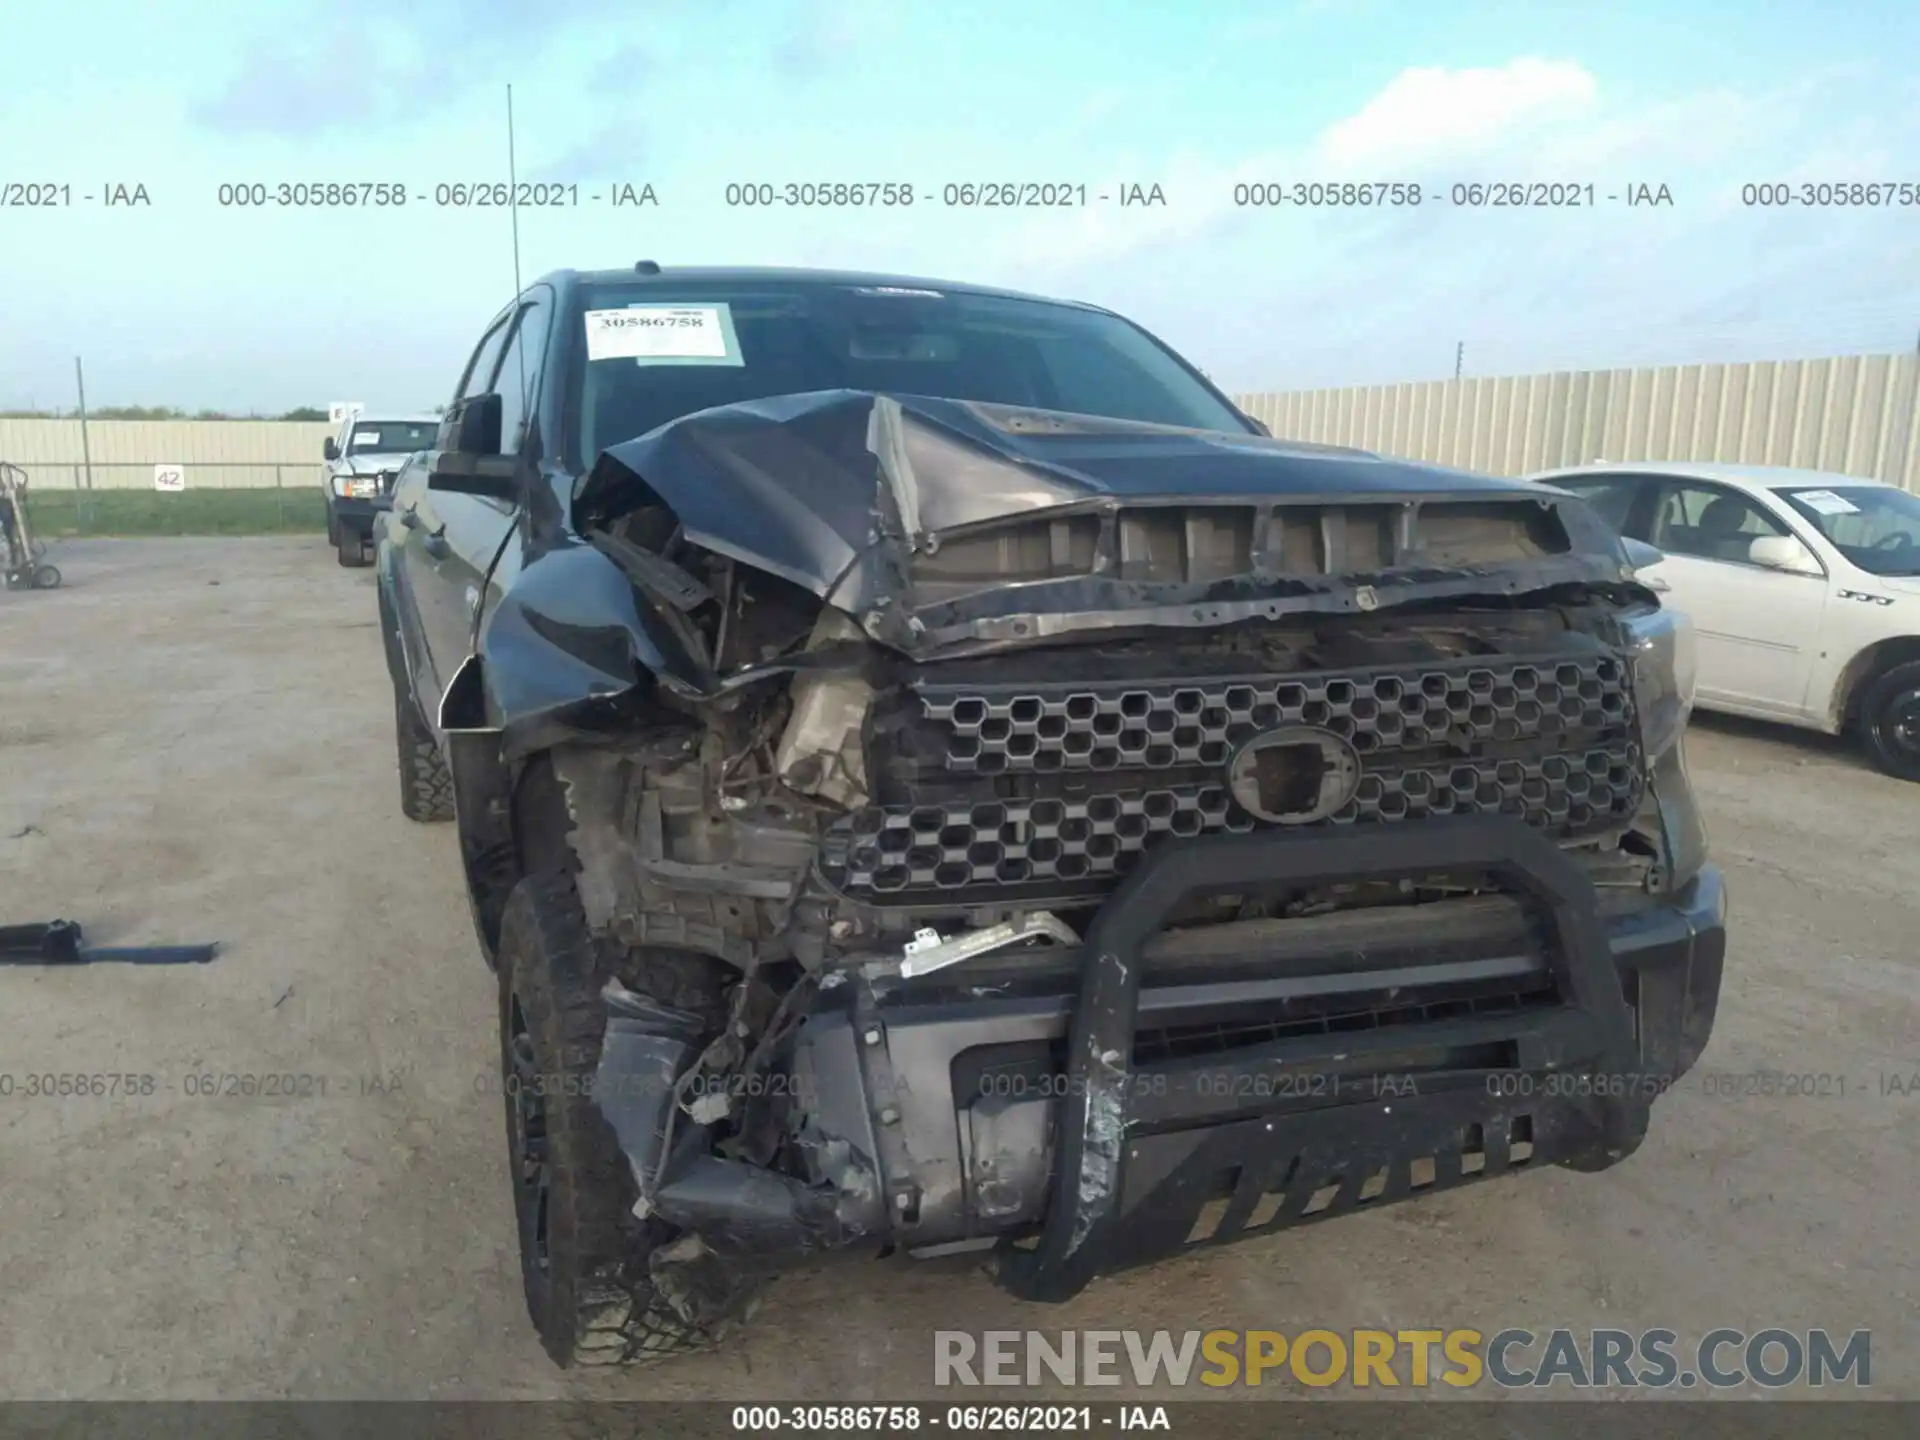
(1135, 1166)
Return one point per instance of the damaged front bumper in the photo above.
(1126, 1112)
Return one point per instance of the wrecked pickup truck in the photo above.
(933, 777)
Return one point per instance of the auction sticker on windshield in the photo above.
(664, 335)
(1825, 502)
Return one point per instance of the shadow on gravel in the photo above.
(1787, 744)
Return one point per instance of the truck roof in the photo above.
(669, 275)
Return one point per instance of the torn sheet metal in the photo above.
(642, 1055)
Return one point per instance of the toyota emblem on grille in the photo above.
(1294, 776)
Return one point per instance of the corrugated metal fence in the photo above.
(216, 454)
(1855, 414)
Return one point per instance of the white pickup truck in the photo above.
(362, 457)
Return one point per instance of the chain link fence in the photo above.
(123, 499)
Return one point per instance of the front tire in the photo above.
(583, 1253)
(333, 528)
(350, 548)
(1890, 721)
(426, 784)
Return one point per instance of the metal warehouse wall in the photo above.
(216, 453)
(1842, 414)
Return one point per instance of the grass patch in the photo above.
(264, 511)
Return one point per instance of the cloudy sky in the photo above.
(192, 303)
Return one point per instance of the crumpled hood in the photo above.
(945, 528)
(861, 498)
(793, 484)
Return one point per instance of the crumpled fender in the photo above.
(570, 647)
(786, 485)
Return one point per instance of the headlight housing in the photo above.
(1661, 644)
(357, 487)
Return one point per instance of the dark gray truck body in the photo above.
(1321, 819)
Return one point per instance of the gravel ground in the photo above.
(195, 744)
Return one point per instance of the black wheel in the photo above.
(333, 528)
(350, 548)
(583, 1252)
(45, 577)
(1890, 721)
(426, 785)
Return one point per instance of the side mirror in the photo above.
(1784, 552)
(1641, 555)
(471, 463)
(331, 450)
(476, 426)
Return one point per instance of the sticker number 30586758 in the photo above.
(669, 334)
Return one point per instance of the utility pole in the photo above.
(1459, 355)
(86, 451)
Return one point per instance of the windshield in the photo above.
(391, 437)
(1874, 526)
(668, 354)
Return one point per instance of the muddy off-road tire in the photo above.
(426, 785)
(583, 1253)
(1890, 721)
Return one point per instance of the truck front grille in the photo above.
(1043, 789)
(1071, 727)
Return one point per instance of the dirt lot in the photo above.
(195, 744)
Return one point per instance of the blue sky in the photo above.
(185, 302)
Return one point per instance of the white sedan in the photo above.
(1803, 587)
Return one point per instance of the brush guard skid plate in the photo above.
(1136, 1164)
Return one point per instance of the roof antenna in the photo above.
(513, 209)
(513, 185)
